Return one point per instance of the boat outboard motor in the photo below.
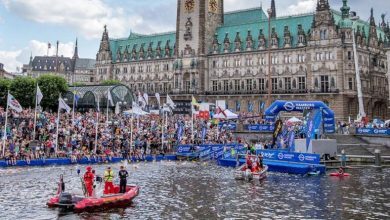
(65, 200)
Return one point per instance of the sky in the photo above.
(26, 26)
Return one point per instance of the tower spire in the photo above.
(273, 9)
(323, 5)
(345, 9)
(76, 51)
(372, 19)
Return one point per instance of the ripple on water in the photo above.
(186, 190)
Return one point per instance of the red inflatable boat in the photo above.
(80, 203)
(339, 175)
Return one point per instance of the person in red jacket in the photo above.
(88, 180)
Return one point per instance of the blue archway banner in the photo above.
(299, 106)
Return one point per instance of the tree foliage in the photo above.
(4, 87)
(110, 82)
(23, 89)
(51, 87)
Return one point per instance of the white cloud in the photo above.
(302, 6)
(15, 59)
(86, 16)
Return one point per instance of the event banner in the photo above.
(228, 126)
(185, 149)
(259, 128)
(290, 157)
(373, 131)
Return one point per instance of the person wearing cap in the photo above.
(88, 181)
(108, 178)
(123, 174)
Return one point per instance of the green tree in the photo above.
(51, 87)
(23, 89)
(4, 87)
(77, 84)
(110, 82)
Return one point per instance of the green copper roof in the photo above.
(244, 16)
(138, 40)
(279, 23)
(362, 24)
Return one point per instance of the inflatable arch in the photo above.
(299, 106)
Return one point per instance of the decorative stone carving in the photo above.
(188, 32)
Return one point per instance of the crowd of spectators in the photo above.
(76, 138)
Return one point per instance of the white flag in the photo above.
(39, 95)
(170, 103)
(141, 100)
(14, 104)
(146, 98)
(117, 109)
(62, 105)
(158, 99)
(109, 97)
(98, 105)
(136, 110)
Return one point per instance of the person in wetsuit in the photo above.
(123, 174)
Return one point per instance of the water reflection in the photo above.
(174, 190)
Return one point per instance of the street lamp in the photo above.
(361, 113)
(269, 11)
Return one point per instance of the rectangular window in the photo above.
(249, 85)
(274, 84)
(226, 85)
(301, 83)
(215, 86)
(125, 70)
(349, 55)
(261, 84)
(287, 83)
(350, 83)
(324, 83)
(237, 84)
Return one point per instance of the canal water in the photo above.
(187, 190)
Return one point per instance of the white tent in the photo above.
(226, 114)
(294, 120)
(136, 112)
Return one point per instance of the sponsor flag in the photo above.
(39, 95)
(141, 100)
(62, 105)
(180, 131)
(146, 98)
(76, 97)
(14, 104)
(277, 131)
(158, 99)
(170, 103)
(204, 132)
(291, 141)
(109, 97)
(194, 102)
(313, 124)
(250, 107)
(238, 106)
(98, 106)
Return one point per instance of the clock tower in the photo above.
(197, 21)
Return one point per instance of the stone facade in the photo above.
(215, 55)
(74, 70)
(2, 71)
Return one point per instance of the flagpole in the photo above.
(96, 130)
(192, 124)
(74, 102)
(131, 131)
(162, 130)
(108, 101)
(5, 126)
(58, 123)
(35, 112)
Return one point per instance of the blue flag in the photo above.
(204, 132)
(291, 141)
(312, 126)
(180, 131)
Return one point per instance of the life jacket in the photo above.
(108, 175)
(88, 177)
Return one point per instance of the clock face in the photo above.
(213, 6)
(189, 5)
